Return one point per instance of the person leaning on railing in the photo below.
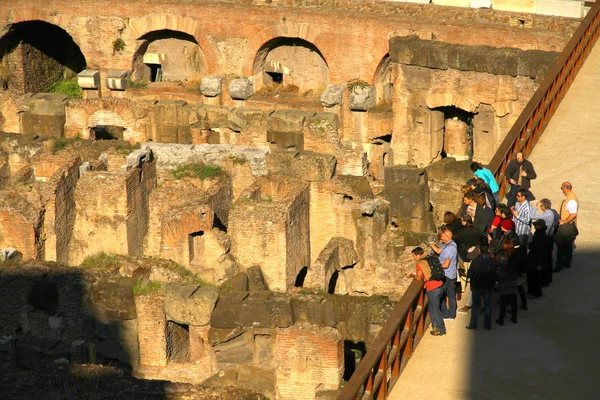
(433, 289)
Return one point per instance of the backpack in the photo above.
(437, 272)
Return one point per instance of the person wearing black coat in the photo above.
(507, 281)
(519, 172)
(537, 260)
(482, 275)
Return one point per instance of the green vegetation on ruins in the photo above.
(200, 171)
(67, 87)
(61, 143)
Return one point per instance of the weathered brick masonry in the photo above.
(352, 38)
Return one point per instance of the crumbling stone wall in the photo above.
(429, 75)
(32, 71)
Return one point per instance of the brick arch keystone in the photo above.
(299, 30)
(158, 22)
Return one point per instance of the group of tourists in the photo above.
(492, 247)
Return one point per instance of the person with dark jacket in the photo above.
(475, 210)
(537, 261)
(521, 269)
(452, 222)
(482, 275)
(519, 172)
(507, 281)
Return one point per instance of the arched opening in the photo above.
(383, 81)
(353, 353)
(35, 54)
(107, 132)
(291, 63)
(167, 55)
(301, 277)
(333, 282)
(458, 133)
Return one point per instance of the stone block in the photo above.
(308, 166)
(289, 121)
(214, 116)
(256, 279)
(217, 336)
(237, 283)
(117, 79)
(243, 118)
(211, 85)
(46, 104)
(155, 58)
(363, 98)
(332, 95)
(191, 304)
(280, 307)
(286, 140)
(233, 352)
(316, 310)
(326, 118)
(241, 88)
(562, 8)
(261, 380)
(89, 79)
(227, 312)
(113, 301)
(255, 312)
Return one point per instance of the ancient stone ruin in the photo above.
(213, 208)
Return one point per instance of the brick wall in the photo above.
(309, 359)
(60, 212)
(139, 185)
(151, 330)
(352, 38)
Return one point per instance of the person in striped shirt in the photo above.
(522, 217)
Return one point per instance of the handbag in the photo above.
(566, 233)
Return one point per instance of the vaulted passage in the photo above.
(167, 55)
(293, 63)
(35, 54)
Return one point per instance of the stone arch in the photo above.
(436, 100)
(83, 115)
(167, 55)
(142, 26)
(36, 51)
(382, 79)
(304, 31)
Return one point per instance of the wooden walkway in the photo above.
(553, 351)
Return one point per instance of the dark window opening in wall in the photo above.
(155, 72)
(108, 132)
(196, 245)
(44, 296)
(217, 223)
(276, 77)
(178, 342)
(353, 353)
(333, 282)
(301, 277)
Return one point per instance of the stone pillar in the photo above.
(456, 139)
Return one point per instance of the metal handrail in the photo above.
(530, 125)
(379, 370)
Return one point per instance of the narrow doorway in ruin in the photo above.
(353, 353)
(196, 246)
(107, 132)
(178, 342)
(301, 277)
(276, 77)
(155, 72)
(333, 282)
(458, 133)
